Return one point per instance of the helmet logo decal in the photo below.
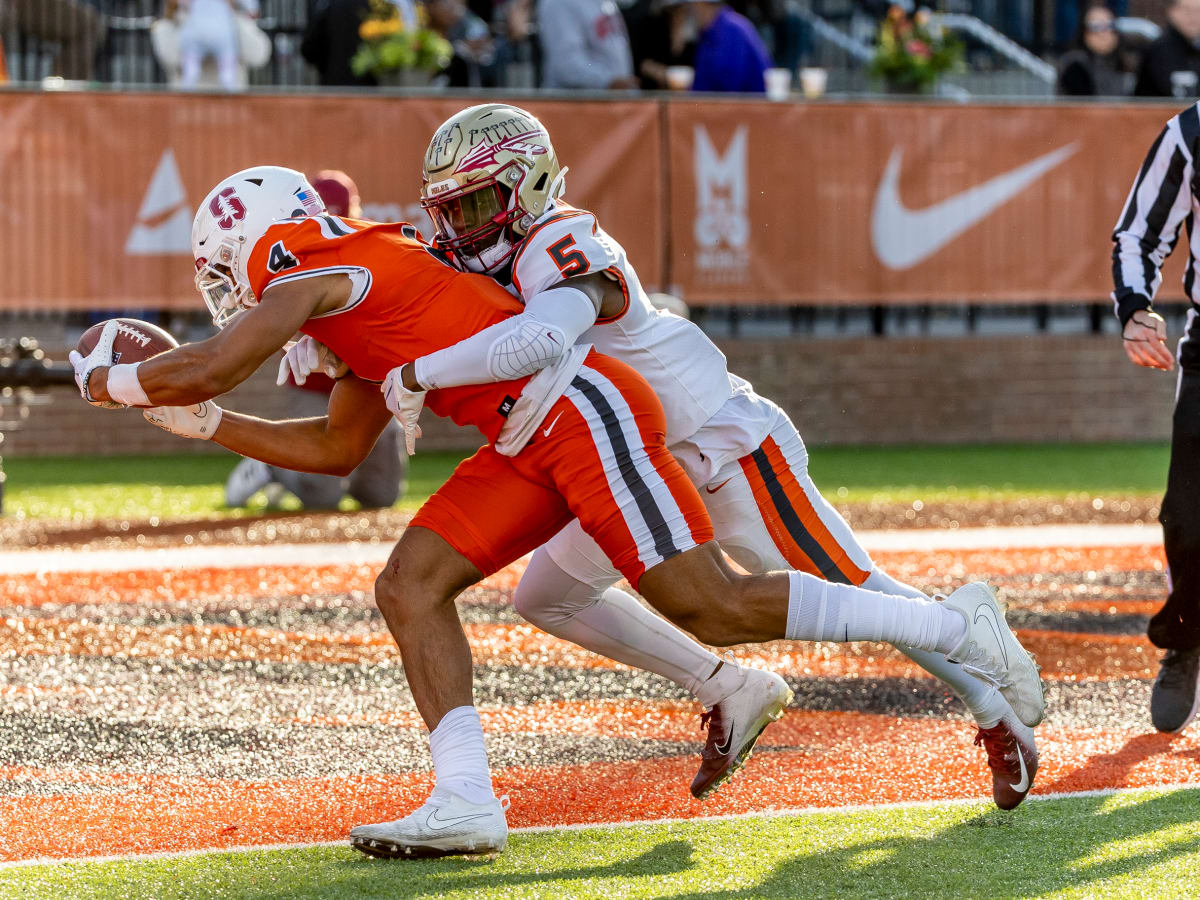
(485, 154)
(227, 208)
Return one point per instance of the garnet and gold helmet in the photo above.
(490, 172)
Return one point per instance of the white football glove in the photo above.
(198, 421)
(405, 406)
(306, 356)
(100, 357)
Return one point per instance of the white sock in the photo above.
(823, 611)
(460, 757)
(984, 702)
(612, 623)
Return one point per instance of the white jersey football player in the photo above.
(493, 186)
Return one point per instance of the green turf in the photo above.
(145, 487)
(1144, 844)
(191, 486)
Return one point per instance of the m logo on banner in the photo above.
(722, 227)
(164, 221)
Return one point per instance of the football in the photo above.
(136, 340)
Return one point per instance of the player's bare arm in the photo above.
(333, 444)
(194, 373)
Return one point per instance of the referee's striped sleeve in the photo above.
(1158, 203)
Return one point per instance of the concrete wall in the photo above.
(839, 391)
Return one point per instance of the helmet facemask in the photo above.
(475, 222)
(224, 296)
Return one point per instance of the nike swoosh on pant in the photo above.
(713, 490)
(903, 237)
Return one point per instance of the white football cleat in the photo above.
(734, 725)
(247, 478)
(1012, 757)
(991, 652)
(446, 824)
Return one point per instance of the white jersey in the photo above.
(684, 367)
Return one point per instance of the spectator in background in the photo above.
(584, 45)
(331, 38)
(781, 27)
(379, 480)
(208, 29)
(77, 28)
(649, 28)
(1171, 64)
(730, 56)
(1095, 66)
(474, 62)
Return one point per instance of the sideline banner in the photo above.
(721, 201)
(99, 190)
(795, 203)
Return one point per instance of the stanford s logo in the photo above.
(227, 208)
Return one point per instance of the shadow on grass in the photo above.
(1043, 847)
(361, 875)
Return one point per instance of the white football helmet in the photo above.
(234, 215)
(490, 172)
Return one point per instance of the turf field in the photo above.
(1141, 844)
(170, 713)
(192, 486)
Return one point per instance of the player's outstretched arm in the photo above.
(528, 342)
(194, 373)
(333, 444)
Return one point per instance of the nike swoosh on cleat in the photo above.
(723, 749)
(903, 237)
(1023, 785)
(443, 824)
(990, 618)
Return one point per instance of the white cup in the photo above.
(813, 81)
(680, 78)
(779, 83)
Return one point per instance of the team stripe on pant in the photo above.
(658, 526)
(794, 524)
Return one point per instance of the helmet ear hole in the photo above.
(540, 184)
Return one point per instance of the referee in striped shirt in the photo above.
(1164, 197)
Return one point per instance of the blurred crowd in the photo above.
(701, 45)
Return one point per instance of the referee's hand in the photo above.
(1146, 341)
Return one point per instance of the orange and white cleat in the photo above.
(1012, 757)
(734, 725)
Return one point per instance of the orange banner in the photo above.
(901, 202)
(722, 202)
(99, 190)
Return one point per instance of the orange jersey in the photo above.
(405, 303)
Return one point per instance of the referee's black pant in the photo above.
(1177, 625)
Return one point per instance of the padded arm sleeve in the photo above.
(551, 323)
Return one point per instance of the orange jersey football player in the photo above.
(583, 438)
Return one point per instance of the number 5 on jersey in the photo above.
(570, 262)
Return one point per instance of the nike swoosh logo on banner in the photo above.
(550, 427)
(713, 490)
(991, 620)
(902, 237)
(436, 824)
(1023, 785)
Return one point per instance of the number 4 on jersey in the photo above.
(570, 262)
(280, 259)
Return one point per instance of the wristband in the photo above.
(124, 387)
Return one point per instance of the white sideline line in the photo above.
(225, 556)
(541, 829)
